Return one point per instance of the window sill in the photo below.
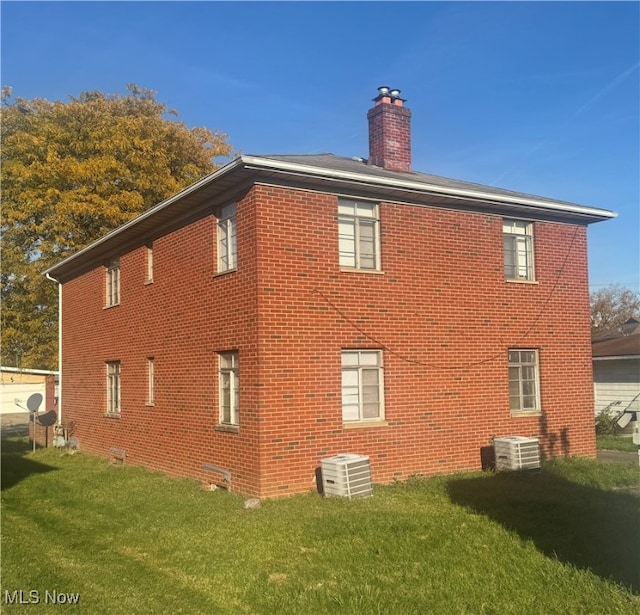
(113, 305)
(227, 428)
(112, 415)
(218, 274)
(147, 282)
(525, 413)
(149, 404)
(363, 424)
(519, 281)
(356, 270)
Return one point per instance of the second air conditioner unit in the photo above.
(346, 475)
(517, 453)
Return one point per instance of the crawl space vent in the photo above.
(517, 453)
(347, 476)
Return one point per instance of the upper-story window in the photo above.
(113, 283)
(227, 248)
(358, 235)
(149, 263)
(518, 250)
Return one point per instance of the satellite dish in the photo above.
(623, 420)
(48, 418)
(34, 401)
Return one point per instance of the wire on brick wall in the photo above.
(492, 357)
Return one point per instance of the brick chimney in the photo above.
(389, 131)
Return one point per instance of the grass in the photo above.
(609, 442)
(561, 540)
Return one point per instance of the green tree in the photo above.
(612, 306)
(70, 173)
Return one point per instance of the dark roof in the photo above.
(620, 342)
(359, 165)
(324, 172)
(617, 347)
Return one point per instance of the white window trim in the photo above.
(114, 388)
(151, 384)
(527, 253)
(360, 367)
(227, 243)
(149, 264)
(229, 370)
(536, 381)
(357, 221)
(112, 281)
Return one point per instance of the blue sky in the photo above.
(539, 97)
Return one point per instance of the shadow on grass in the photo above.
(16, 465)
(583, 526)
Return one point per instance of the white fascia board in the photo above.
(261, 163)
(227, 168)
(294, 167)
(26, 370)
(617, 357)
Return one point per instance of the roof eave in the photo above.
(138, 220)
(588, 214)
(399, 189)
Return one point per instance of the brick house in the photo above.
(289, 308)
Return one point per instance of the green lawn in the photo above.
(561, 540)
(616, 443)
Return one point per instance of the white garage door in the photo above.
(12, 391)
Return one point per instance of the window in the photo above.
(113, 283)
(358, 235)
(524, 387)
(518, 250)
(227, 249)
(362, 385)
(150, 381)
(229, 392)
(113, 387)
(149, 256)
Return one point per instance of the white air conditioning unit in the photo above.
(516, 453)
(347, 476)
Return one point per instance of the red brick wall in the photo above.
(445, 317)
(390, 136)
(182, 319)
(441, 311)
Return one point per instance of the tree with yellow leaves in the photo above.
(70, 173)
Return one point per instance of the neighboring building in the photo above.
(21, 389)
(616, 369)
(285, 309)
(17, 385)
